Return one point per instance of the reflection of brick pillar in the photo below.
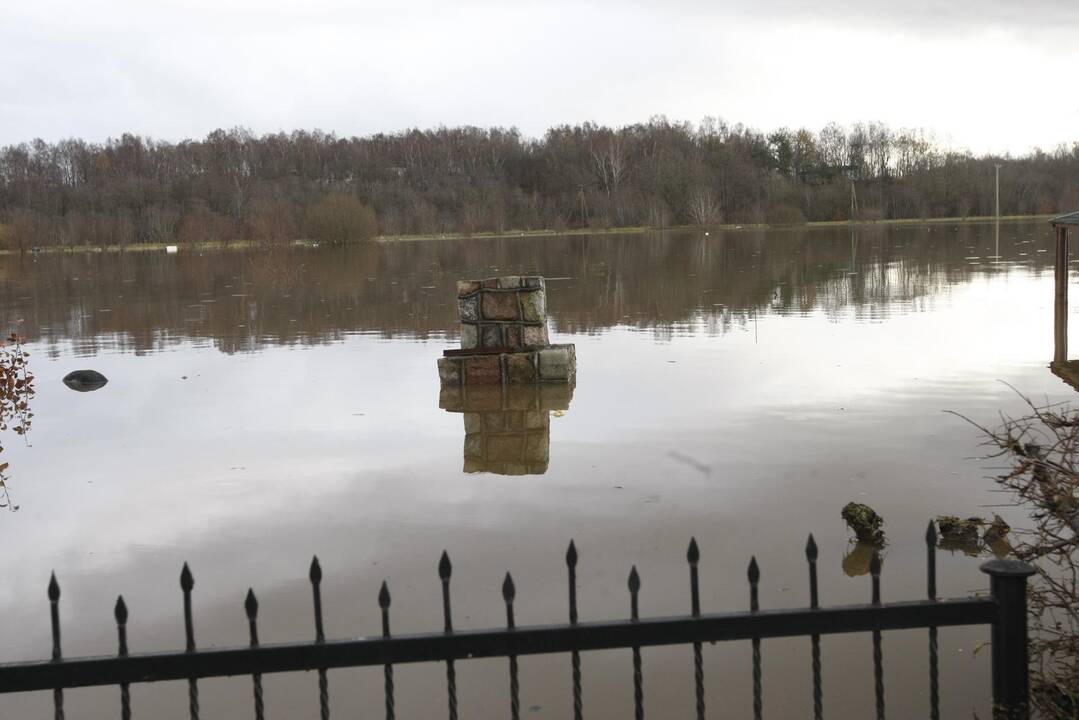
(515, 442)
(507, 429)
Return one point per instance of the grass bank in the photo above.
(732, 227)
(248, 244)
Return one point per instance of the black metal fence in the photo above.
(1004, 609)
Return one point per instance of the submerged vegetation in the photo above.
(233, 185)
(1041, 452)
(867, 524)
(16, 390)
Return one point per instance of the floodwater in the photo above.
(264, 407)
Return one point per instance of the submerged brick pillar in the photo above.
(504, 338)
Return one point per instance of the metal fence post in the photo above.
(1011, 686)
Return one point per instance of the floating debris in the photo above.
(956, 530)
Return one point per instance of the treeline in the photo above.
(274, 188)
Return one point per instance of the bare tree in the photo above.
(609, 162)
(703, 207)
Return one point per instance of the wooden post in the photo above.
(1060, 310)
(1011, 689)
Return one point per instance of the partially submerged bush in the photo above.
(952, 528)
(867, 525)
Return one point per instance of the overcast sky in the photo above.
(982, 74)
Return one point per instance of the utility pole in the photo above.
(998, 191)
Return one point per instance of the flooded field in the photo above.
(264, 407)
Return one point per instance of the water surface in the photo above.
(740, 387)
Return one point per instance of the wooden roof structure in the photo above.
(1068, 219)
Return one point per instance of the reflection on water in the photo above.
(859, 557)
(507, 428)
(1065, 369)
(670, 283)
(739, 388)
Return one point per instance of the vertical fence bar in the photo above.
(634, 584)
(814, 602)
(120, 613)
(54, 619)
(754, 575)
(575, 657)
(693, 557)
(1011, 687)
(251, 609)
(931, 592)
(387, 669)
(878, 657)
(315, 576)
(508, 593)
(1060, 305)
(445, 570)
(187, 582)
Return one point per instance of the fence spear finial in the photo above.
(187, 580)
(54, 588)
(509, 590)
(445, 569)
(251, 605)
(120, 610)
(754, 575)
(693, 556)
(384, 606)
(384, 596)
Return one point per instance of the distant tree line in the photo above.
(278, 187)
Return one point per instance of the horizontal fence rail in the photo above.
(475, 644)
(1004, 610)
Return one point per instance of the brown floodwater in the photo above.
(266, 406)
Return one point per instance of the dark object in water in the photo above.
(85, 380)
(956, 530)
(865, 522)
